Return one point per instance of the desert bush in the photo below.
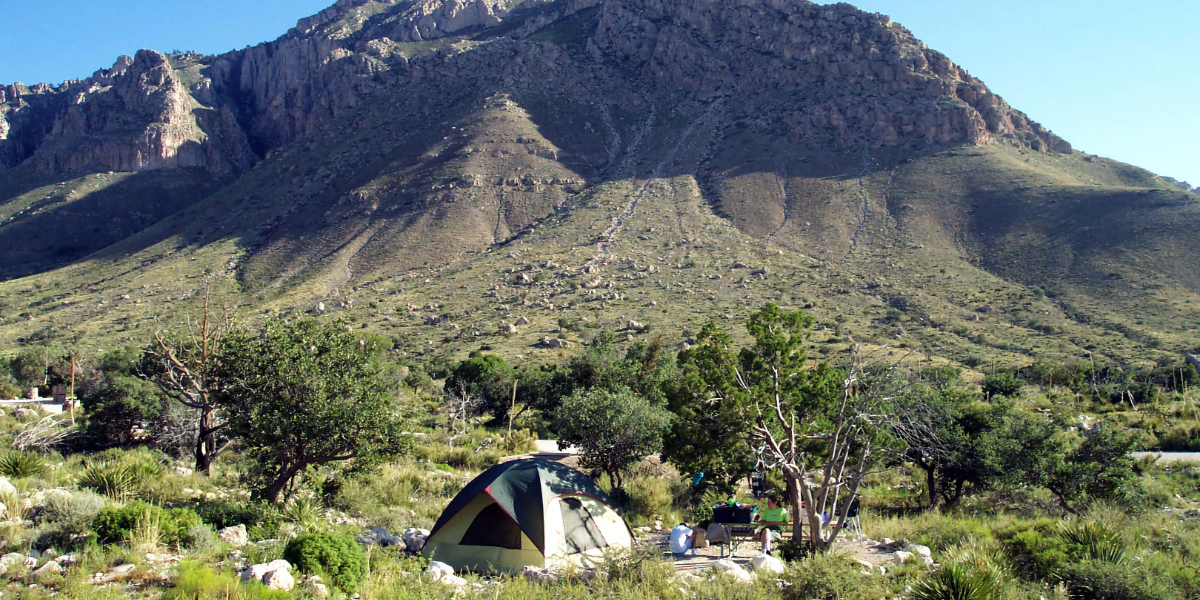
(1002, 383)
(21, 465)
(336, 557)
(194, 581)
(649, 496)
(830, 577)
(262, 520)
(114, 525)
(519, 442)
(74, 512)
(1034, 549)
(1102, 580)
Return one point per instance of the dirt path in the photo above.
(863, 552)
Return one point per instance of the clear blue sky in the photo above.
(1119, 79)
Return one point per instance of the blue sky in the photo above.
(1118, 79)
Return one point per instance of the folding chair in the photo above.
(853, 520)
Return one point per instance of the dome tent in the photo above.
(529, 512)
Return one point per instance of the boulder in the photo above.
(6, 487)
(234, 536)
(732, 569)
(633, 325)
(21, 413)
(114, 574)
(315, 587)
(439, 570)
(279, 579)
(510, 328)
(522, 321)
(49, 568)
(537, 575)
(414, 539)
(1192, 359)
(921, 551)
(767, 564)
(902, 557)
(12, 558)
(716, 533)
(550, 342)
(259, 572)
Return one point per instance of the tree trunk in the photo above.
(931, 482)
(273, 491)
(206, 442)
(793, 500)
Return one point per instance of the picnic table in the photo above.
(736, 533)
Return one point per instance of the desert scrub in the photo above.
(115, 525)
(336, 557)
(828, 576)
(194, 581)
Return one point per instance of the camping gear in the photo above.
(529, 512)
(737, 513)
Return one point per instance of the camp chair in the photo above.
(853, 520)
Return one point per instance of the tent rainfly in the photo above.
(529, 512)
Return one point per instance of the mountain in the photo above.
(438, 169)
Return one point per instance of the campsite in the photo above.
(580, 480)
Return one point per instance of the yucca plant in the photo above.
(113, 480)
(19, 465)
(303, 512)
(1099, 541)
(958, 582)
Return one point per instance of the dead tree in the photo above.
(182, 367)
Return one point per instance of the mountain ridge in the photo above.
(616, 135)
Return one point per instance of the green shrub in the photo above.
(830, 577)
(114, 525)
(195, 581)
(262, 519)
(336, 557)
(20, 465)
(1100, 580)
(1034, 552)
(519, 442)
(1002, 383)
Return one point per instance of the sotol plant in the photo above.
(19, 465)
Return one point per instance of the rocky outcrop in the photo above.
(136, 116)
(848, 75)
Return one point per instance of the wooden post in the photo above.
(71, 390)
(512, 407)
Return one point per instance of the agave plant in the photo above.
(1099, 541)
(19, 465)
(113, 480)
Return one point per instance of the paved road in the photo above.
(1170, 456)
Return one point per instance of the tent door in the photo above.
(579, 529)
(493, 527)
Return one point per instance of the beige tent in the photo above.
(531, 512)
